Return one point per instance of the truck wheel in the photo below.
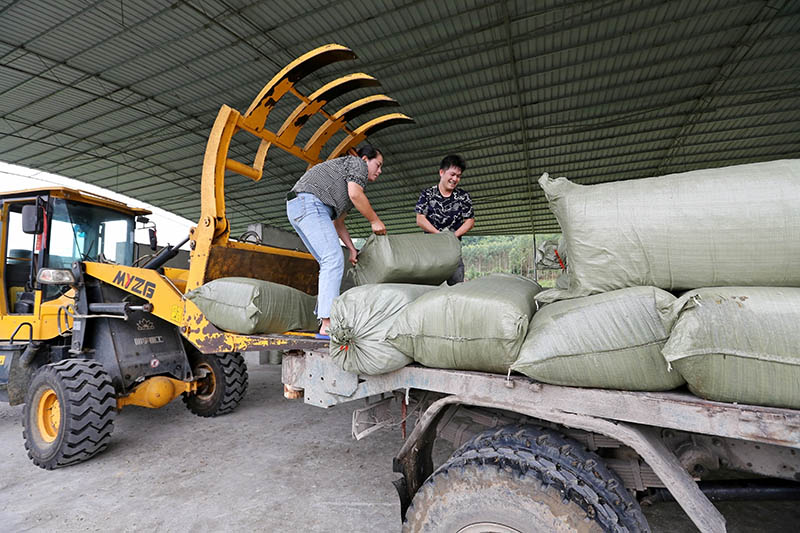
(69, 413)
(221, 385)
(523, 478)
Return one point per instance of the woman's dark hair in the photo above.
(368, 150)
(453, 161)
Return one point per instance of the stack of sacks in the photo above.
(247, 306)
(733, 226)
(421, 258)
(477, 325)
(360, 319)
(392, 271)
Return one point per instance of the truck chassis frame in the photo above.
(766, 439)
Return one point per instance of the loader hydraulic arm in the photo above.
(165, 255)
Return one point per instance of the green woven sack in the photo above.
(718, 227)
(609, 341)
(245, 305)
(421, 258)
(738, 344)
(477, 325)
(360, 319)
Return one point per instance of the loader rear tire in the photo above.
(523, 478)
(222, 383)
(69, 413)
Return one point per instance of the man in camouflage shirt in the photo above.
(446, 207)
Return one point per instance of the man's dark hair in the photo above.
(368, 150)
(453, 160)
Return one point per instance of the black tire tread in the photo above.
(235, 385)
(90, 411)
(236, 381)
(556, 461)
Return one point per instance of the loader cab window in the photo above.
(18, 263)
(84, 232)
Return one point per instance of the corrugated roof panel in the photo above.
(22, 23)
(14, 96)
(41, 153)
(176, 157)
(66, 41)
(80, 107)
(612, 90)
(128, 42)
(8, 52)
(29, 100)
(31, 63)
(12, 142)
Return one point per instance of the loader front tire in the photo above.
(222, 382)
(69, 413)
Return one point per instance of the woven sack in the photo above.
(729, 226)
(476, 325)
(247, 306)
(609, 341)
(360, 319)
(420, 258)
(738, 344)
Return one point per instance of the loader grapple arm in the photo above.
(213, 254)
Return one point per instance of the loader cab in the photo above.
(54, 229)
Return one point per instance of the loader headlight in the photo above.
(54, 276)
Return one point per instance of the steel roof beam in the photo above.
(737, 54)
(503, 122)
(170, 125)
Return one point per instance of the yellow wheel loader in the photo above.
(78, 347)
(86, 330)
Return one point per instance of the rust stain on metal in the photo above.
(762, 437)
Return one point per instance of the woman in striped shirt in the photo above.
(317, 206)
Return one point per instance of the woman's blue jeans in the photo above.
(311, 219)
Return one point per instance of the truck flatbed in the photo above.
(761, 440)
(326, 384)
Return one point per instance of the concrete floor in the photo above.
(272, 465)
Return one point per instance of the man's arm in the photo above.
(425, 224)
(360, 201)
(468, 215)
(422, 213)
(465, 227)
(341, 230)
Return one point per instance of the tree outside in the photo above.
(511, 254)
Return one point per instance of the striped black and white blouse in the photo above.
(328, 181)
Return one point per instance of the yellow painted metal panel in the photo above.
(81, 196)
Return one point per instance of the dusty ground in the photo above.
(273, 465)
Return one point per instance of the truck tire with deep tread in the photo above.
(222, 385)
(523, 478)
(69, 413)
